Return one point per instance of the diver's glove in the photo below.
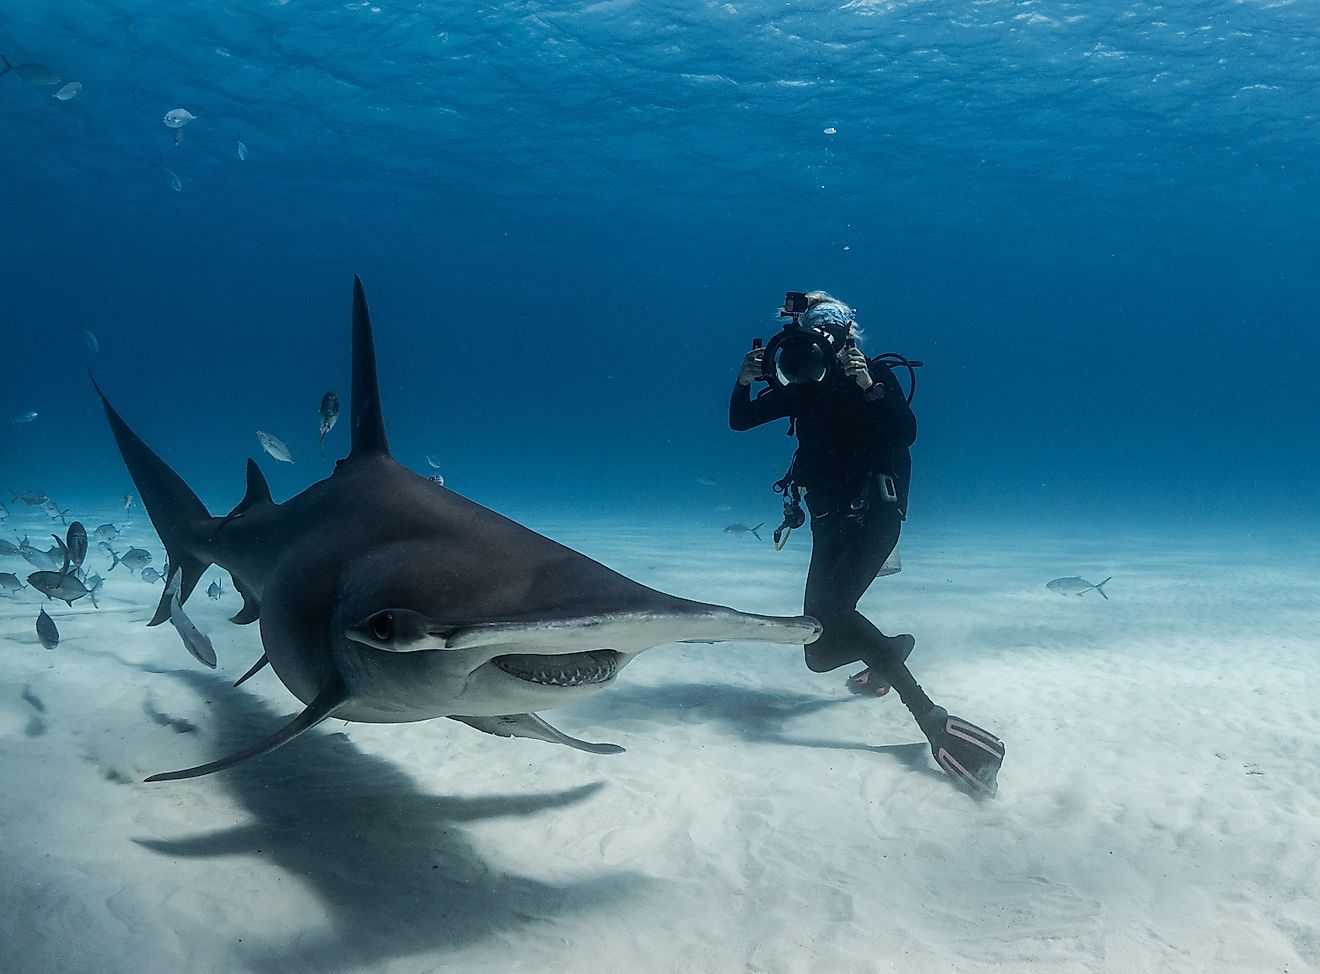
(969, 754)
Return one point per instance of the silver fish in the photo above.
(9, 582)
(151, 575)
(274, 446)
(93, 586)
(1072, 585)
(329, 413)
(128, 502)
(46, 631)
(740, 529)
(49, 559)
(69, 91)
(171, 177)
(433, 461)
(194, 640)
(93, 345)
(58, 585)
(75, 541)
(134, 559)
(25, 417)
(31, 73)
(8, 548)
(242, 151)
(213, 591)
(4, 512)
(106, 532)
(32, 498)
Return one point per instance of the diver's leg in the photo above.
(845, 558)
(842, 569)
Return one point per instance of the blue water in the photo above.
(1096, 224)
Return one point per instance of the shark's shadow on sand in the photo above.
(757, 716)
(388, 862)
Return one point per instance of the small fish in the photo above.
(329, 413)
(53, 511)
(171, 178)
(31, 74)
(128, 503)
(213, 591)
(242, 150)
(433, 460)
(93, 586)
(93, 345)
(1072, 585)
(133, 559)
(437, 478)
(49, 560)
(46, 631)
(194, 640)
(4, 512)
(831, 130)
(740, 529)
(106, 532)
(177, 118)
(151, 575)
(75, 544)
(274, 446)
(10, 583)
(25, 417)
(32, 498)
(8, 548)
(68, 91)
(58, 585)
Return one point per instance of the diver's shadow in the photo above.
(388, 862)
(758, 716)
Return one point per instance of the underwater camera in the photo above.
(804, 352)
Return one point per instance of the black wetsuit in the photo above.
(846, 440)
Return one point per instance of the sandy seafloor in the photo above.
(1158, 811)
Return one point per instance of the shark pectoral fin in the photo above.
(532, 726)
(318, 710)
(256, 668)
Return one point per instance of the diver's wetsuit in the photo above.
(846, 440)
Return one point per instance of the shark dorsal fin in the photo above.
(258, 491)
(368, 426)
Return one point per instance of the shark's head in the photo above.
(437, 644)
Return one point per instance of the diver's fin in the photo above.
(256, 668)
(969, 754)
(251, 610)
(318, 710)
(1100, 587)
(178, 515)
(533, 727)
(367, 425)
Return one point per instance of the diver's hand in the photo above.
(751, 366)
(854, 366)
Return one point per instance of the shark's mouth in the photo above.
(565, 670)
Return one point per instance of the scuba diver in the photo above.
(854, 426)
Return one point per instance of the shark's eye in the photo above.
(382, 626)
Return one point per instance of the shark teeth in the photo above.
(566, 670)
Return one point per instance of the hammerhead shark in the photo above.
(384, 597)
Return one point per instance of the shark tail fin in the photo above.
(1100, 587)
(178, 515)
(8, 67)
